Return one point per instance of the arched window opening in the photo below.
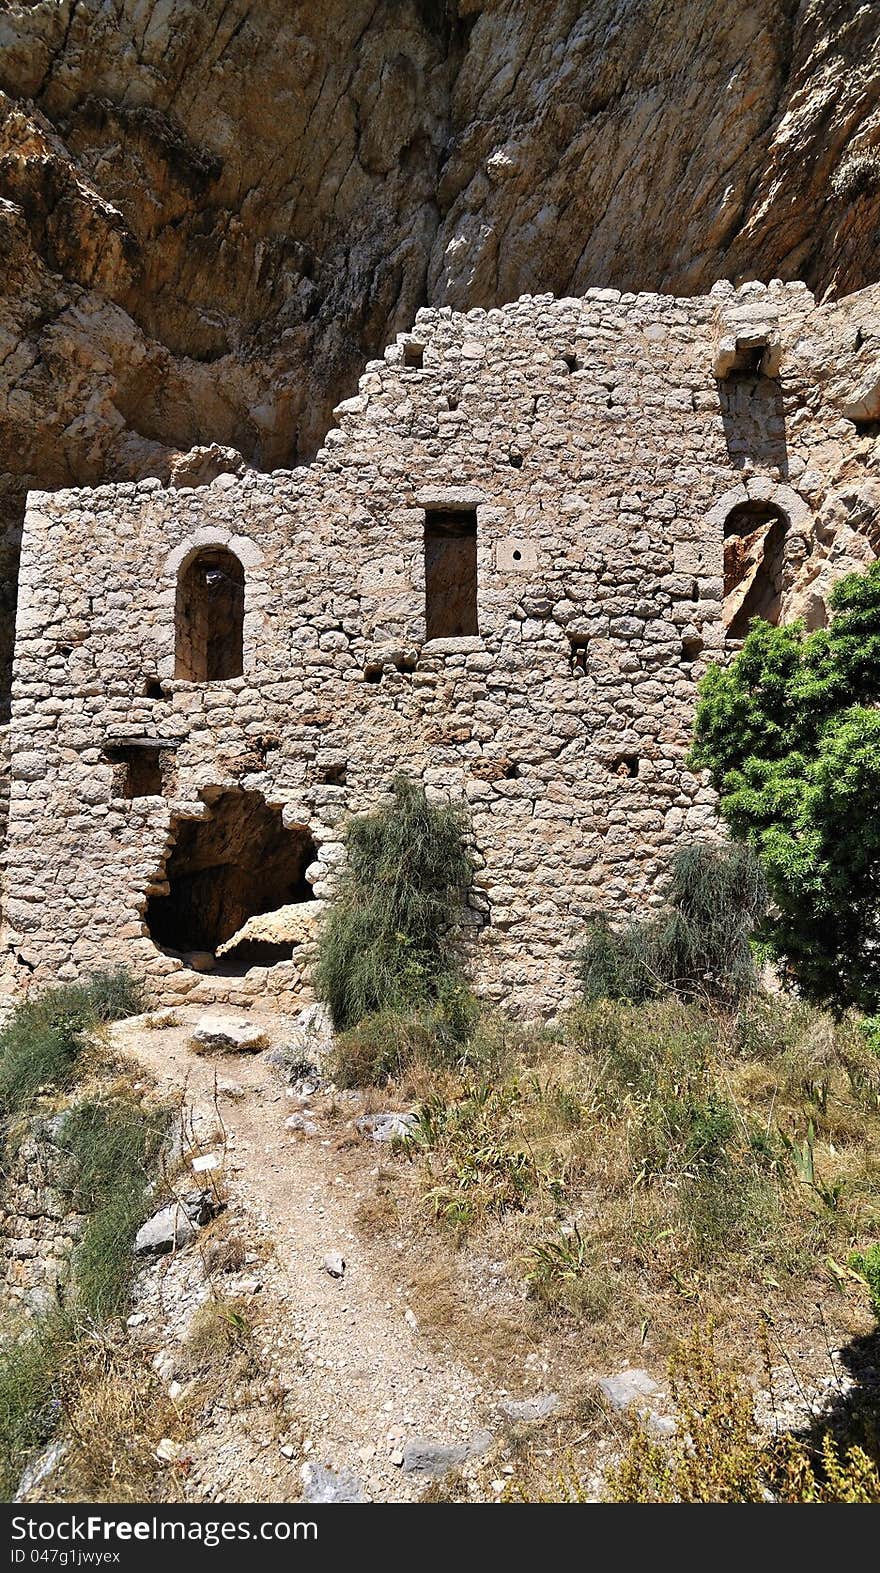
(233, 886)
(210, 618)
(754, 561)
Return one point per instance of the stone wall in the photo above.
(38, 1225)
(601, 457)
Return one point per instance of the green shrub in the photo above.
(621, 964)
(114, 1142)
(698, 945)
(868, 1264)
(857, 176)
(790, 731)
(29, 1367)
(383, 1046)
(389, 940)
(41, 1041)
(688, 1128)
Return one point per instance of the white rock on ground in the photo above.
(169, 1229)
(222, 1035)
(387, 1127)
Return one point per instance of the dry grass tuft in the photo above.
(116, 1412)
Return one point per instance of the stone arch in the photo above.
(756, 523)
(193, 650)
(209, 617)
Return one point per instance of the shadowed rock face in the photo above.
(213, 212)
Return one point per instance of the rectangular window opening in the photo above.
(451, 574)
(139, 770)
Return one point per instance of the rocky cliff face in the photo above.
(212, 211)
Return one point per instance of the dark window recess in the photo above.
(332, 772)
(577, 653)
(210, 618)
(413, 355)
(153, 689)
(625, 765)
(749, 362)
(754, 547)
(572, 361)
(372, 674)
(139, 769)
(450, 575)
(515, 458)
(691, 650)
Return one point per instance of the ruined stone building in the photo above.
(504, 574)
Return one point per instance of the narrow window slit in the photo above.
(450, 574)
(577, 653)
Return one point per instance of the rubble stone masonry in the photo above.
(597, 448)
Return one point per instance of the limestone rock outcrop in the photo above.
(211, 214)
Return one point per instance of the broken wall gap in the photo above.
(578, 653)
(754, 562)
(230, 884)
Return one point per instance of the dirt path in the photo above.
(361, 1378)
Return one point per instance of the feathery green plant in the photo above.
(698, 944)
(390, 940)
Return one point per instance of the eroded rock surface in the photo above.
(211, 214)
